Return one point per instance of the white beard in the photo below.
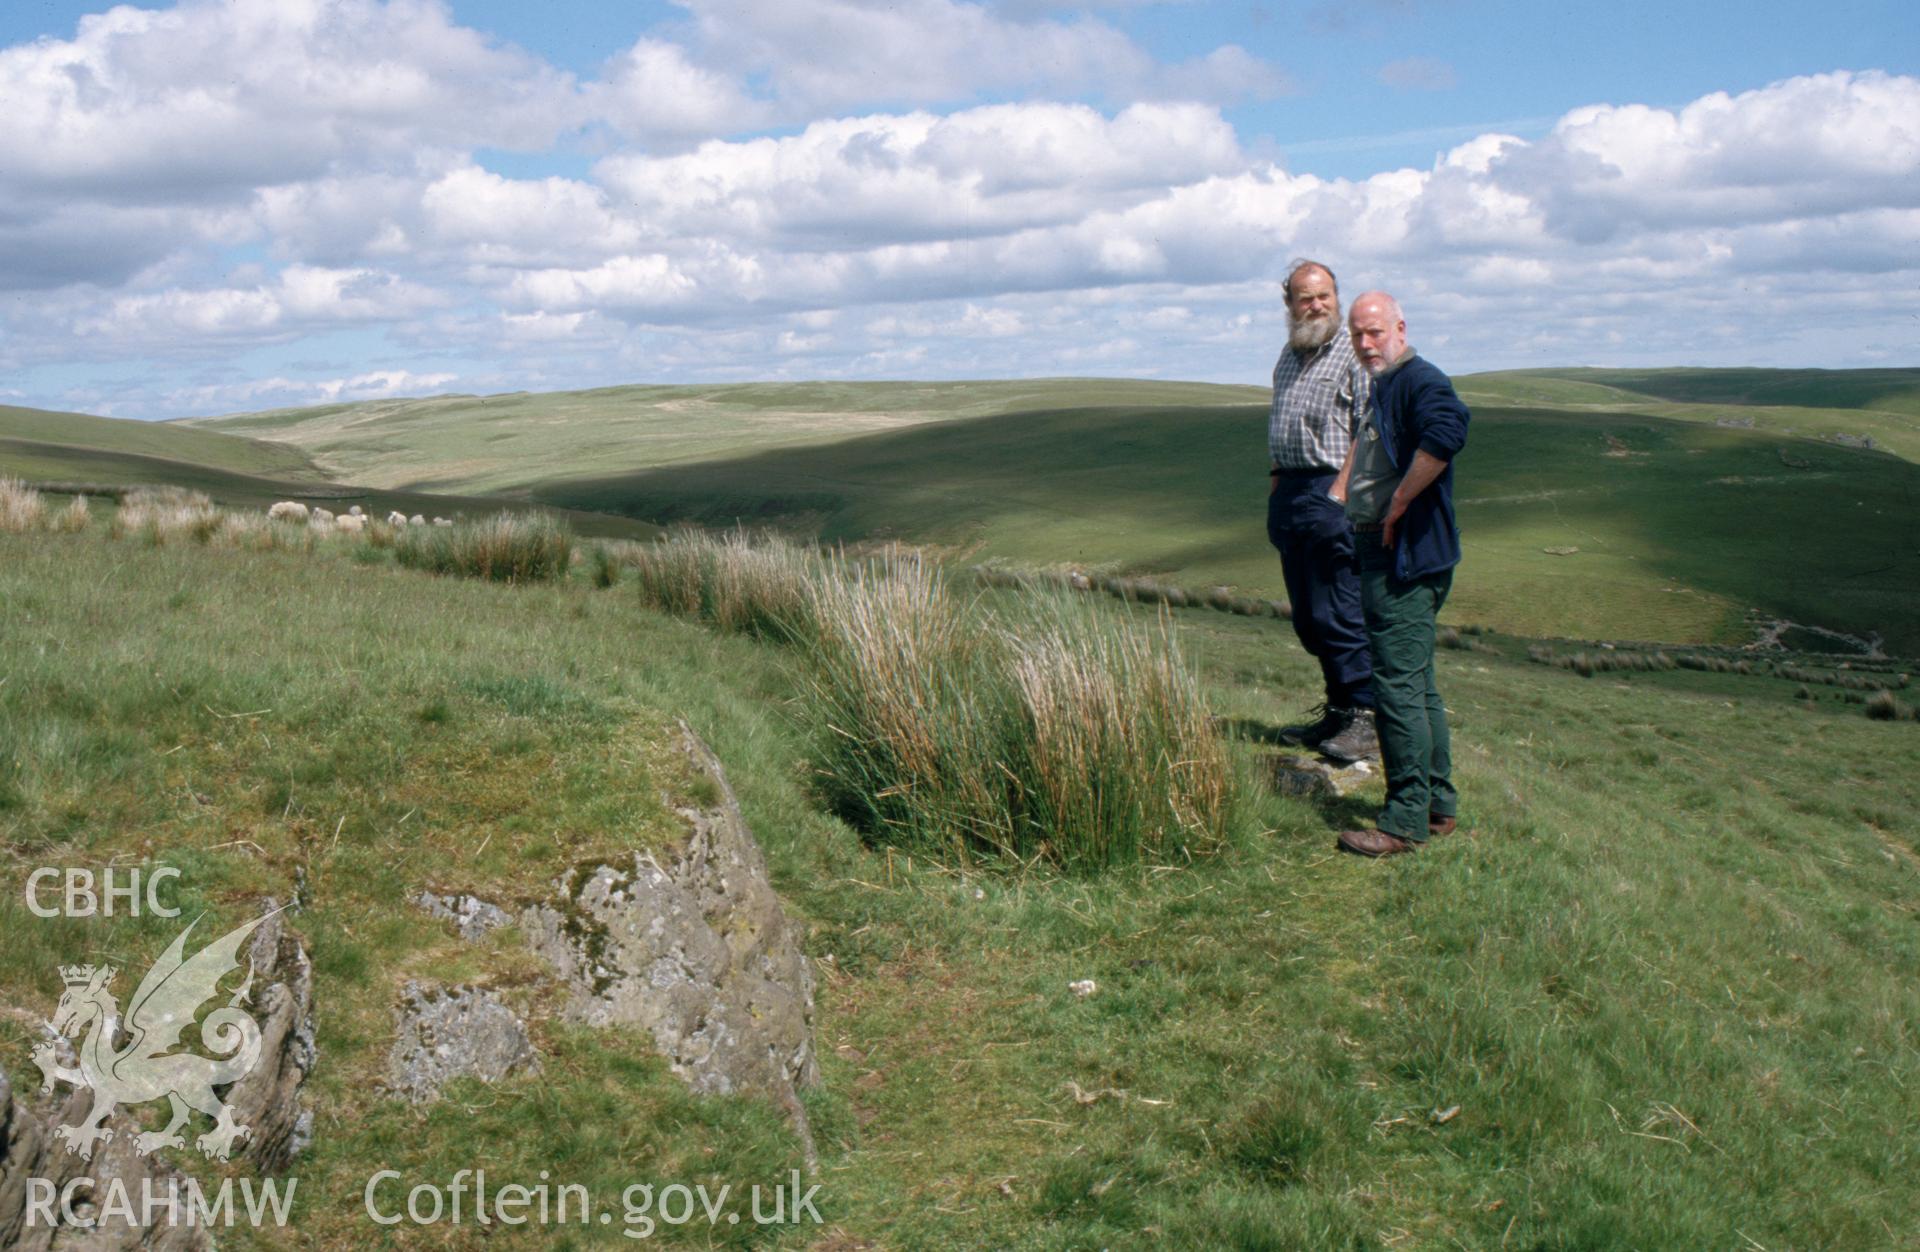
(1310, 335)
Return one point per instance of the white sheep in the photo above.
(396, 518)
(416, 520)
(352, 523)
(287, 511)
(441, 521)
(355, 512)
(319, 518)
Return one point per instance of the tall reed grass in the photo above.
(21, 508)
(507, 547)
(1051, 731)
(160, 515)
(738, 582)
(1113, 741)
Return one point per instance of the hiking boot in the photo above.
(1375, 842)
(1356, 739)
(1327, 721)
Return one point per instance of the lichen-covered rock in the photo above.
(268, 1098)
(692, 945)
(448, 1033)
(470, 915)
(28, 1150)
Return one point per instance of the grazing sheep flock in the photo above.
(163, 515)
(352, 522)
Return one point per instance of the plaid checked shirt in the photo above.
(1316, 401)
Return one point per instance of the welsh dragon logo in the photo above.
(147, 1068)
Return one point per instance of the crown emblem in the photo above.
(79, 975)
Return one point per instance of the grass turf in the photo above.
(1663, 972)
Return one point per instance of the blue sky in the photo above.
(233, 204)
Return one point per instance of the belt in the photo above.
(1368, 528)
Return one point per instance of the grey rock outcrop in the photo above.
(268, 1098)
(692, 945)
(28, 1150)
(461, 1032)
(470, 915)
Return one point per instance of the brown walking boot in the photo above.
(1375, 843)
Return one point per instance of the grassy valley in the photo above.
(1668, 505)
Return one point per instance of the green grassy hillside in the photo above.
(1889, 390)
(508, 443)
(1694, 498)
(1680, 529)
(1656, 993)
(99, 455)
(1842, 406)
(47, 438)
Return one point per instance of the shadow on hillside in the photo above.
(1163, 463)
(1727, 512)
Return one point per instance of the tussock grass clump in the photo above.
(73, 519)
(910, 732)
(1883, 707)
(1606, 660)
(1113, 759)
(162, 515)
(21, 508)
(736, 582)
(507, 547)
(1046, 731)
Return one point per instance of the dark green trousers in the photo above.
(1412, 720)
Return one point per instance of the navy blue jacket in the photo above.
(1415, 409)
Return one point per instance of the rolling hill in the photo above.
(102, 455)
(1681, 505)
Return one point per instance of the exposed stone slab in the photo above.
(692, 945)
(448, 1033)
(28, 1150)
(470, 915)
(268, 1098)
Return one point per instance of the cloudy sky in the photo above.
(224, 205)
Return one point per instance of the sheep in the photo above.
(416, 520)
(287, 511)
(441, 521)
(352, 523)
(396, 518)
(355, 512)
(319, 519)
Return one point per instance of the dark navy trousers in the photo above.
(1316, 557)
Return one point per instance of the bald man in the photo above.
(1319, 390)
(1397, 483)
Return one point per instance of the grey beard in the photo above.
(1310, 335)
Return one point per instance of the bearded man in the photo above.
(1318, 389)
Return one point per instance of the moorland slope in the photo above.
(1670, 505)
